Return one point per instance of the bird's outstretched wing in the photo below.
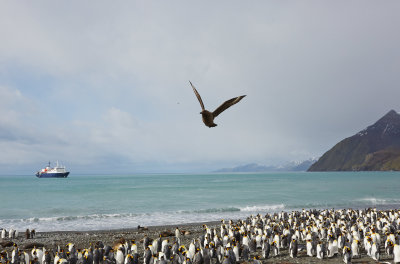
(227, 104)
(198, 96)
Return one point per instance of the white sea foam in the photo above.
(372, 200)
(263, 208)
(377, 201)
(131, 220)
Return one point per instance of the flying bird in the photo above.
(208, 117)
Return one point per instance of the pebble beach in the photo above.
(344, 223)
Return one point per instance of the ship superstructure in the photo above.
(58, 171)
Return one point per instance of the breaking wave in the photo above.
(262, 208)
(132, 220)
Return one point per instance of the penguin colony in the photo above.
(344, 235)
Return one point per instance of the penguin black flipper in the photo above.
(227, 104)
(198, 96)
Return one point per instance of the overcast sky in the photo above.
(104, 86)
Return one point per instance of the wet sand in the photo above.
(84, 239)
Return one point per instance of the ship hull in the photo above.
(52, 175)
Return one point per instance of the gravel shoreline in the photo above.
(83, 239)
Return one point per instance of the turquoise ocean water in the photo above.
(93, 202)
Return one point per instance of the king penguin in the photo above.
(389, 247)
(119, 257)
(274, 248)
(375, 254)
(236, 252)
(355, 249)
(256, 260)
(146, 242)
(310, 248)
(97, 256)
(253, 245)
(245, 240)
(332, 248)
(36, 252)
(11, 233)
(15, 255)
(266, 249)
(197, 258)
(346, 255)
(72, 258)
(293, 247)
(56, 258)
(134, 248)
(245, 252)
(147, 255)
(128, 259)
(26, 258)
(396, 253)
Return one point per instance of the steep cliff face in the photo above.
(375, 148)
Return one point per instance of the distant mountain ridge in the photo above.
(376, 148)
(253, 167)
